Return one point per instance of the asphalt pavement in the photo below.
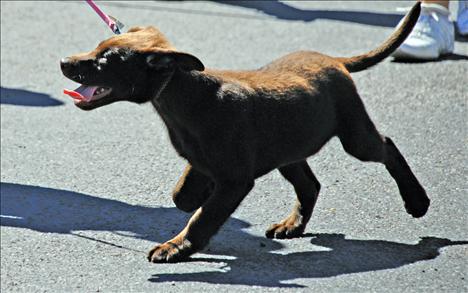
(84, 195)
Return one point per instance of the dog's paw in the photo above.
(170, 252)
(416, 201)
(285, 229)
(419, 208)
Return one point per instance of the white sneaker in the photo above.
(432, 36)
(462, 18)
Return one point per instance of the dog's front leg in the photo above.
(192, 190)
(204, 223)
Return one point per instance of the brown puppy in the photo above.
(234, 126)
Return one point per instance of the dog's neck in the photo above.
(181, 89)
(163, 86)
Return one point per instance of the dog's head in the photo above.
(129, 67)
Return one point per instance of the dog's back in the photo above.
(298, 68)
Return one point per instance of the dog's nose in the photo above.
(65, 64)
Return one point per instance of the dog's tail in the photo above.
(364, 61)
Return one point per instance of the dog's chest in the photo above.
(185, 143)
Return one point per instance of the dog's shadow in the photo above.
(258, 261)
(60, 211)
(341, 256)
(22, 97)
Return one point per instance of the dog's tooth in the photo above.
(100, 91)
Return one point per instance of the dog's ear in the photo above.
(188, 62)
(165, 60)
(160, 62)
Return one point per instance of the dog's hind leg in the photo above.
(307, 188)
(361, 139)
(192, 190)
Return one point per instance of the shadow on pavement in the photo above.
(20, 97)
(279, 10)
(257, 262)
(344, 256)
(449, 57)
(282, 10)
(60, 211)
(173, 9)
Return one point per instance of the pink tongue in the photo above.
(82, 93)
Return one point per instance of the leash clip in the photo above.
(113, 23)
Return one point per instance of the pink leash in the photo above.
(111, 22)
(84, 92)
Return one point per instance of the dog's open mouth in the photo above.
(87, 94)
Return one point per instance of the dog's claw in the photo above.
(284, 230)
(169, 252)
